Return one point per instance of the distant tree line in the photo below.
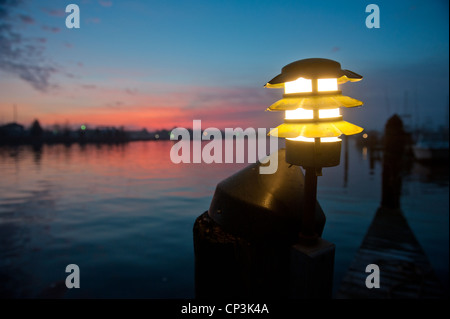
(14, 134)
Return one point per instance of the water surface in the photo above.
(124, 214)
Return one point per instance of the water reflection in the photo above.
(18, 241)
(345, 160)
(37, 152)
(125, 211)
(437, 174)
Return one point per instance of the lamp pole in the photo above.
(309, 198)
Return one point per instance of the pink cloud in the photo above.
(51, 29)
(153, 106)
(105, 3)
(55, 12)
(220, 107)
(89, 86)
(26, 19)
(93, 20)
(335, 49)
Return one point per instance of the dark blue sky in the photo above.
(164, 63)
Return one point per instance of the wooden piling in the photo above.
(228, 266)
(394, 148)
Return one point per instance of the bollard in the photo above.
(247, 246)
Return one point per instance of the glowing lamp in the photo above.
(313, 122)
(311, 102)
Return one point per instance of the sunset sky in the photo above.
(160, 64)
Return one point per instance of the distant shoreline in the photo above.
(16, 134)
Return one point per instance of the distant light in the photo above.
(172, 136)
(365, 135)
(205, 133)
(156, 136)
(83, 127)
(364, 152)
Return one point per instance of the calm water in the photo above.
(124, 215)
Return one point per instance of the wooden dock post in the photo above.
(394, 148)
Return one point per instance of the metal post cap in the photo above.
(263, 206)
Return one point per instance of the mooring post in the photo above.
(394, 147)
